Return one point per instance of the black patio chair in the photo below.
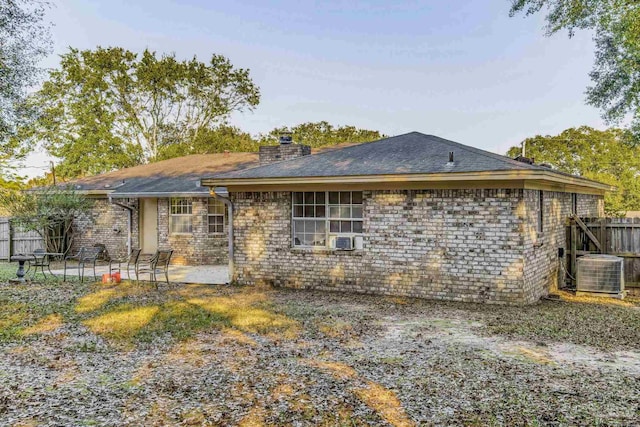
(86, 257)
(40, 260)
(129, 262)
(104, 253)
(159, 263)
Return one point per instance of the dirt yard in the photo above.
(92, 354)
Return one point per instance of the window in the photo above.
(180, 216)
(318, 214)
(345, 212)
(309, 219)
(215, 216)
(540, 211)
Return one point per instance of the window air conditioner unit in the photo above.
(602, 274)
(345, 242)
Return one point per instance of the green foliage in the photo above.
(321, 134)
(110, 108)
(229, 138)
(616, 72)
(44, 180)
(610, 156)
(218, 140)
(49, 212)
(24, 41)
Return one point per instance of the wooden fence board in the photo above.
(5, 241)
(25, 242)
(16, 241)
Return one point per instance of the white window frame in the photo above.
(210, 215)
(174, 202)
(328, 219)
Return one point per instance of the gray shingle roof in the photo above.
(411, 153)
(180, 175)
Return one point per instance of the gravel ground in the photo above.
(78, 354)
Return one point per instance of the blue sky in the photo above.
(459, 69)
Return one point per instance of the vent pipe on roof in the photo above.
(450, 156)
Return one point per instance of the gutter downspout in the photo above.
(129, 221)
(222, 194)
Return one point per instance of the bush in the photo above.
(49, 211)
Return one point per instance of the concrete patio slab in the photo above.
(205, 274)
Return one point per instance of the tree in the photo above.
(229, 138)
(609, 156)
(616, 72)
(49, 211)
(109, 108)
(24, 40)
(217, 140)
(321, 134)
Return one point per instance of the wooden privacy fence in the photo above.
(15, 241)
(612, 236)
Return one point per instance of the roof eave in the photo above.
(509, 175)
(154, 194)
(87, 192)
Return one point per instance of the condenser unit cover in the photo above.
(600, 273)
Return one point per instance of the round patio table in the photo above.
(21, 259)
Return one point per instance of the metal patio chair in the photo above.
(40, 260)
(86, 257)
(159, 263)
(104, 253)
(126, 264)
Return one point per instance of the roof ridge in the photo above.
(388, 139)
(485, 153)
(355, 145)
(317, 154)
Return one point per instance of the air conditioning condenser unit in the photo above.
(601, 275)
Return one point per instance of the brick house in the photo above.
(160, 205)
(412, 215)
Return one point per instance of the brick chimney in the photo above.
(285, 150)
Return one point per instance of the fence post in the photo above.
(574, 249)
(10, 237)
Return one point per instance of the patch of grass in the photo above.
(385, 403)
(391, 360)
(21, 318)
(133, 313)
(102, 295)
(123, 322)
(601, 323)
(181, 320)
(7, 271)
(13, 318)
(46, 324)
(247, 309)
(335, 328)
